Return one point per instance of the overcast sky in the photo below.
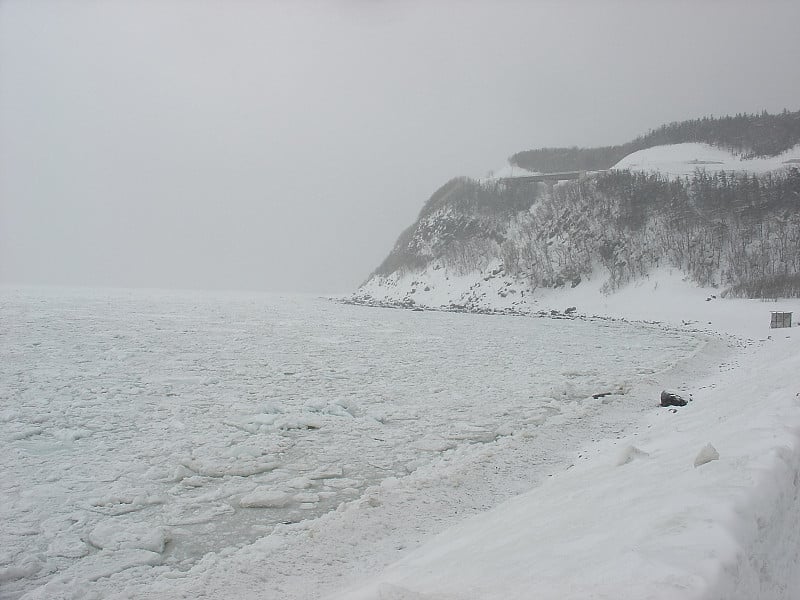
(284, 146)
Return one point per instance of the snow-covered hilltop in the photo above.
(683, 160)
(718, 205)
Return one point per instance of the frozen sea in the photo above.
(142, 430)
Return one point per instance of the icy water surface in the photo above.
(143, 428)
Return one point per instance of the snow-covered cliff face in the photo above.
(495, 244)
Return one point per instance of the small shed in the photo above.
(780, 319)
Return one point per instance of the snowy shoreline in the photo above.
(630, 516)
(640, 519)
(359, 539)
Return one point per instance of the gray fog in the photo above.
(283, 146)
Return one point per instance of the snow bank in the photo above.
(654, 527)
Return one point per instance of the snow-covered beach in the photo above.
(646, 516)
(479, 466)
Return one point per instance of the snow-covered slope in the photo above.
(485, 290)
(682, 160)
(610, 227)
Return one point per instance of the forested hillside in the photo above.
(735, 230)
(740, 232)
(746, 135)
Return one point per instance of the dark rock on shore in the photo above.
(672, 399)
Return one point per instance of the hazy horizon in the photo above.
(284, 146)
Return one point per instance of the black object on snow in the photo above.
(671, 399)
